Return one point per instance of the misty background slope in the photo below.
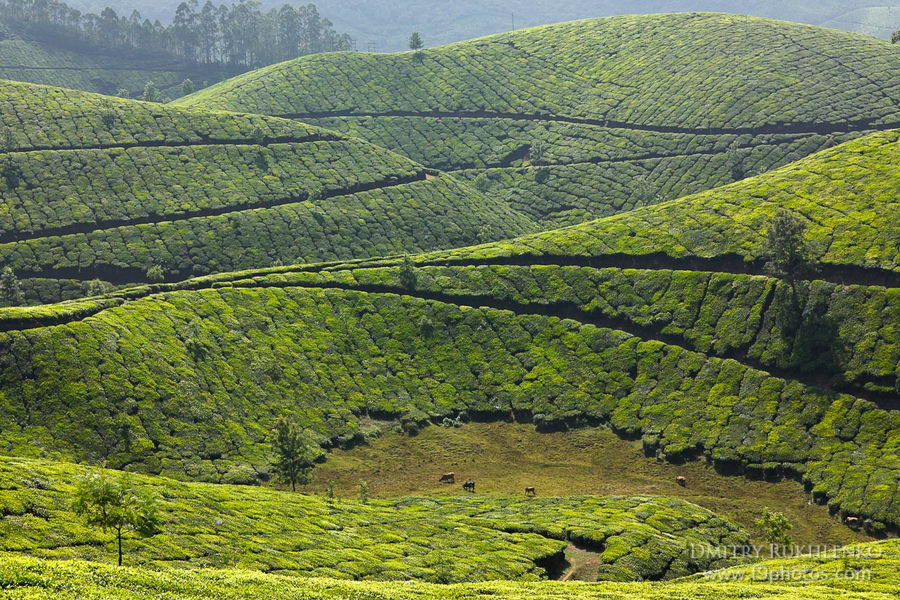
(384, 25)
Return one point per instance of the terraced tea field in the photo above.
(566, 130)
(101, 188)
(655, 258)
(694, 363)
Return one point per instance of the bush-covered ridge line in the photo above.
(732, 264)
(319, 136)
(727, 263)
(558, 308)
(76, 228)
(777, 128)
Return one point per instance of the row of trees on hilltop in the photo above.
(236, 35)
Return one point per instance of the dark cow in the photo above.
(469, 486)
(529, 491)
(448, 478)
(681, 480)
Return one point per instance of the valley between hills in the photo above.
(635, 279)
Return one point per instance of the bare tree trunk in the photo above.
(119, 535)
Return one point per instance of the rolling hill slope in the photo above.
(696, 355)
(36, 62)
(586, 119)
(97, 187)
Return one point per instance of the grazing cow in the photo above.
(469, 486)
(448, 478)
(852, 521)
(681, 480)
(529, 491)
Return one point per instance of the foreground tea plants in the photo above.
(871, 578)
(442, 540)
(581, 120)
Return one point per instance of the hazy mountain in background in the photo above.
(385, 25)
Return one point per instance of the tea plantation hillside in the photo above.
(443, 540)
(862, 572)
(697, 356)
(586, 119)
(36, 62)
(93, 187)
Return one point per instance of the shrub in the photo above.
(116, 505)
(155, 274)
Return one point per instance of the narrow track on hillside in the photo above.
(266, 141)
(727, 263)
(773, 128)
(602, 160)
(95, 226)
(160, 69)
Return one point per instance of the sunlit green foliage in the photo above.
(328, 356)
(116, 506)
(848, 196)
(873, 576)
(434, 539)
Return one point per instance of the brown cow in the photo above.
(529, 491)
(852, 521)
(448, 478)
(681, 480)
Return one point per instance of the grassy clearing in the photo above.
(504, 458)
(441, 539)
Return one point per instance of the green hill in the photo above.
(488, 538)
(645, 108)
(34, 61)
(702, 358)
(863, 572)
(97, 187)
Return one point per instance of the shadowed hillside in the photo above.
(39, 62)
